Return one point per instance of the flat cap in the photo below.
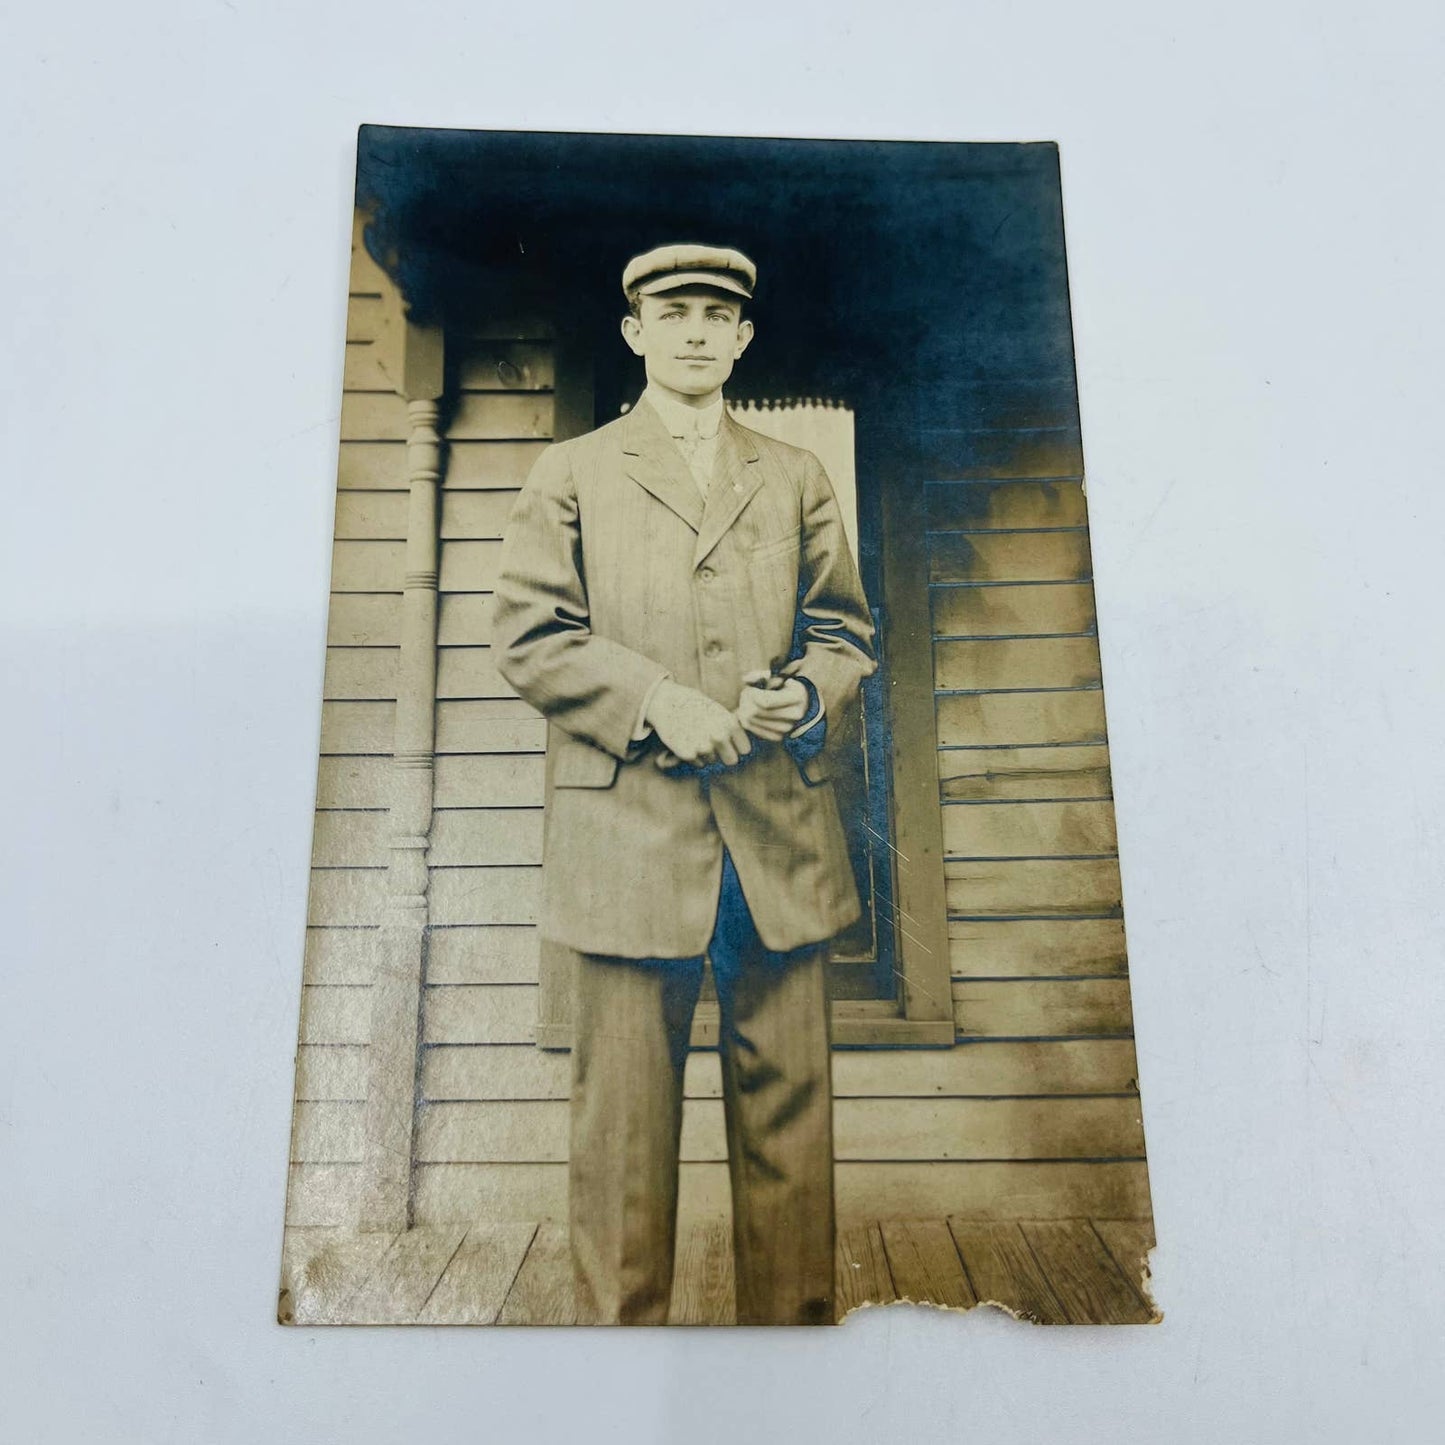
(669, 267)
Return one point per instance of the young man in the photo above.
(678, 598)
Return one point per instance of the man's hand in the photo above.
(771, 707)
(694, 729)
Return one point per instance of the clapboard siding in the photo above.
(373, 416)
(472, 837)
(1021, 947)
(1039, 888)
(996, 1190)
(468, 566)
(348, 856)
(1006, 506)
(983, 1068)
(1017, 719)
(1024, 610)
(331, 1071)
(892, 1129)
(1042, 1008)
(981, 774)
(973, 558)
(990, 828)
(1016, 663)
(469, 954)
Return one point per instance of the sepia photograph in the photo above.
(715, 913)
(674, 679)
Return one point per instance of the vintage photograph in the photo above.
(715, 911)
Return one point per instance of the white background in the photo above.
(1253, 205)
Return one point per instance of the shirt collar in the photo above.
(683, 420)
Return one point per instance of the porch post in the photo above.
(385, 1200)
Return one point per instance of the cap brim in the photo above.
(676, 280)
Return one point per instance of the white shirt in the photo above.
(694, 429)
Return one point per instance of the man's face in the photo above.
(689, 339)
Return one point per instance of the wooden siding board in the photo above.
(357, 728)
(470, 672)
(364, 619)
(971, 774)
(332, 1014)
(972, 557)
(469, 566)
(464, 619)
(322, 1195)
(1042, 1008)
(1029, 829)
(478, 779)
(473, 837)
(466, 955)
(1049, 947)
(1013, 719)
(500, 365)
(888, 1130)
(372, 466)
(367, 566)
(980, 506)
(979, 1067)
(483, 726)
(331, 1072)
(1015, 663)
(345, 896)
(476, 515)
(473, 465)
(1034, 888)
(349, 839)
(993, 1191)
(1013, 611)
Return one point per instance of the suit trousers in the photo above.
(633, 1020)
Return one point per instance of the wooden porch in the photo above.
(1073, 1271)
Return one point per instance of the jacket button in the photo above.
(706, 574)
(713, 648)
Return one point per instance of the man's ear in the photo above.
(745, 335)
(632, 334)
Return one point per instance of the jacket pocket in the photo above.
(577, 764)
(785, 546)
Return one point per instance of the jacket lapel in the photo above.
(652, 460)
(737, 476)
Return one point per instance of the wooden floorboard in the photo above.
(542, 1292)
(404, 1280)
(1083, 1275)
(703, 1286)
(474, 1285)
(322, 1269)
(1129, 1242)
(1045, 1271)
(863, 1276)
(924, 1263)
(1003, 1271)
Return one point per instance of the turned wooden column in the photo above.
(396, 993)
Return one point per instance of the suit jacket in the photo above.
(615, 573)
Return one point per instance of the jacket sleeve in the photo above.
(834, 633)
(541, 635)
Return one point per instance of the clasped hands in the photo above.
(697, 732)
